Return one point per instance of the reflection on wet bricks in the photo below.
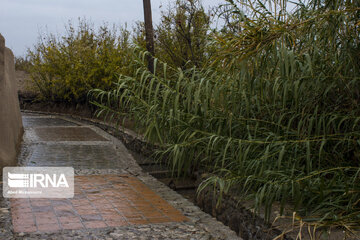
(99, 201)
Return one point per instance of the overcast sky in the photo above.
(22, 20)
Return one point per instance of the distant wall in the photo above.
(11, 128)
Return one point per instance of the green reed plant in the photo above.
(275, 117)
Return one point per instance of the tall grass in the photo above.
(275, 117)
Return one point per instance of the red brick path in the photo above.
(99, 201)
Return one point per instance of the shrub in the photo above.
(181, 39)
(66, 68)
(182, 35)
(22, 63)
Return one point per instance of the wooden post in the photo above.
(2, 58)
(149, 32)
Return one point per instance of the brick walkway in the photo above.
(99, 201)
(111, 191)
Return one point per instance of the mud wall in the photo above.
(11, 128)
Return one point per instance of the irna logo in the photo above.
(33, 180)
(38, 182)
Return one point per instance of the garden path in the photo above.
(114, 198)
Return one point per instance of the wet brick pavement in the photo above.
(67, 134)
(39, 122)
(99, 201)
(114, 198)
(77, 156)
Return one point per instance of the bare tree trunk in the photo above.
(149, 31)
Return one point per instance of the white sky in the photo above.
(22, 20)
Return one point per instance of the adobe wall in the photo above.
(11, 128)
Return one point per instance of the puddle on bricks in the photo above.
(40, 122)
(77, 156)
(68, 134)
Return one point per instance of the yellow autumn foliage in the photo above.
(65, 68)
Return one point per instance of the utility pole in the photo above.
(149, 33)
